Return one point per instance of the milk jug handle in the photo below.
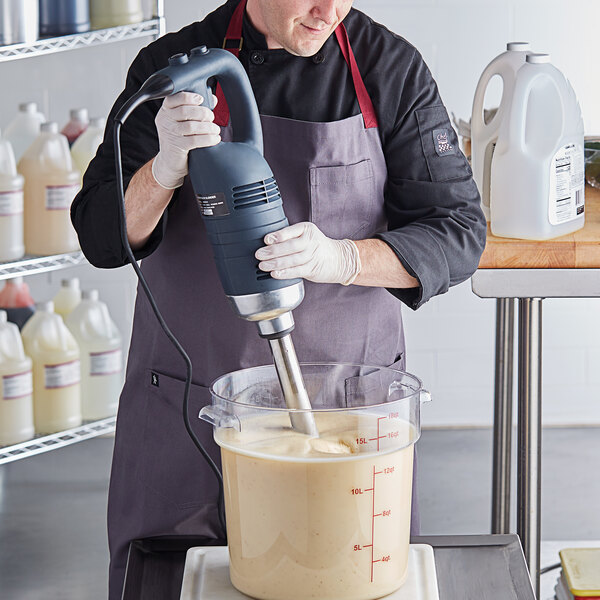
(478, 119)
(517, 126)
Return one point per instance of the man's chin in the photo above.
(306, 49)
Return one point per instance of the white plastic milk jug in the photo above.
(24, 128)
(16, 386)
(86, 146)
(51, 184)
(101, 356)
(111, 13)
(67, 297)
(11, 205)
(484, 135)
(56, 371)
(537, 174)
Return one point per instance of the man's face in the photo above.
(299, 26)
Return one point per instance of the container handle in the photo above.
(425, 396)
(220, 418)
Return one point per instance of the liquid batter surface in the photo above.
(340, 434)
(324, 517)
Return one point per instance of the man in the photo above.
(375, 188)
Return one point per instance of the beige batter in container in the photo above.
(323, 517)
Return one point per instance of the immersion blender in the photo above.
(240, 203)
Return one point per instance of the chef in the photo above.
(382, 207)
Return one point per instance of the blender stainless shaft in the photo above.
(292, 384)
(272, 312)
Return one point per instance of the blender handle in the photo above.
(220, 418)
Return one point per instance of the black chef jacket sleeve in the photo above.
(435, 223)
(95, 210)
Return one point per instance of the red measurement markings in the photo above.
(373, 512)
(383, 513)
(379, 437)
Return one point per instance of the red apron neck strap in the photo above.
(233, 43)
(364, 100)
(233, 38)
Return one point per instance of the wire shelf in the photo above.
(34, 265)
(58, 440)
(152, 27)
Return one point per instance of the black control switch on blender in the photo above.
(178, 59)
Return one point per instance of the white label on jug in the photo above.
(16, 386)
(566, 185)
(60, 197)
(63, 375)
(11, 203)
(105, 363)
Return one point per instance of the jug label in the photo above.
(11, 203)
(105, 363)
(567, 185)
(60, 197)
(63, 375)
(16, 386)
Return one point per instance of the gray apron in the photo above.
(332, 174)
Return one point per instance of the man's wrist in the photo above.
(351, 260)
(163, 176)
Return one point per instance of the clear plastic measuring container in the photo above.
(323, 517)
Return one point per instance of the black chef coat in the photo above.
(435, 224)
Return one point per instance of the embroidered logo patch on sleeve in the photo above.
(441, 142)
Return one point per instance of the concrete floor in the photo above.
(52, 507)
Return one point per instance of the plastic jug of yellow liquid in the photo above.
(484, 135)
(67, 297)
(100, 345)
(537, 175)
(16, 386)
(86, 146)
(111, 13)
(56, 371)
(24, 128)
(12, 246)
(78, 123)
(16, 300)
(51, 183)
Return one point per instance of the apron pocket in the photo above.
(369, 385)
(342, 199)
(172, 466)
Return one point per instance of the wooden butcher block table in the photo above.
(579, 250)
(564, 267)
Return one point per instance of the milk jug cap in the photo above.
(72, 283)
(3, 317)
(89, 295)
(518, 46)
(28, 107)
(98, 122)
(16, 280)
(49, 127)
(45, 306)
(538, 59)
(79, 114)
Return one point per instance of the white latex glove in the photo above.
(303, 250)
(182, 125)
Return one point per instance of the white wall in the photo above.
(450, 339)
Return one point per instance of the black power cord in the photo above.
(162, 323)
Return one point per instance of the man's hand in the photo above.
(302, 250)
(182, 124)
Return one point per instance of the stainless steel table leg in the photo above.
(503, 403)
(530, 434)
